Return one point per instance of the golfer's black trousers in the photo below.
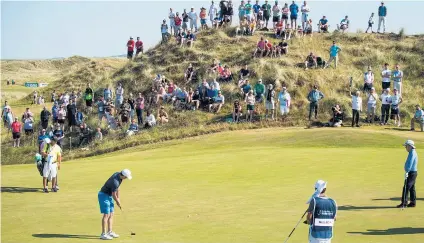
(410, 188)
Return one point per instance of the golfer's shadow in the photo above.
(85, 237)
(16, 189)
(392, 231)
(394, 199)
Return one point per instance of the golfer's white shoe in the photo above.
(105, 237)
(113, 234)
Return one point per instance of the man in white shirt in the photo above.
(397, 79)
(371, 105)
(192, 15)
(368, 80)
(218, 103)
(305, 12)
(386, 74)
(385, 106)
(356, 108)
(284, 100)
(171, 17)
(395, 101)
(213, 10)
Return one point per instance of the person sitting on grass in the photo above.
(217, 104)
(188, 73)
(236, 111)
(260, 48)
(338, 116)
(282, 48)
(216, 21)
(99, 135)
(181, 37)
(243, 27)
(195, 99)
(162, 116)
(288, 32)
(308, 28)
(323, 25)
(85, 134)
(418, 118)
(268, 49)
(311, 61)
(132, 129)
(252, 27)
(344, 24)
(215, 66)
(191, 38)
(150, 120)
(250, 101)
(259, 91)
(226, 75)
(245, 88)
(299, 31)
(278, 30)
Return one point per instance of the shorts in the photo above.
(276, 19)
(130, 54)
(266, 17)
(285, 16)
(367, 87)
(314, 240)
(171, 24)
(106, 203)
(16, 135)
(284, 110)
(184, 25)
(370, 24)
(394, 111)
(250, 107)
(385, 85)
(371, 108)
(293, 17)
(270, 105)
(29, 131)
(304, 17)
(50, 170)
(61, 121)
(89, 103)
(202, 21)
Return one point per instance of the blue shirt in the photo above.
(133, 127)
(411, 163)
(212, 93)
(256, 8)
(315, 96)
(323, 21)
(294, 9)
(247, 88)
(419, 115)
(334, 50)
(382, 11)
(55, 110)
(42, 137)
(112, 184)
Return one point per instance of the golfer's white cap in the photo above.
(47, 140)
(126, 173)
(410, 143)
(320, 185)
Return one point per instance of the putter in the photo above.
(126, 224)
(296, 226)
(404, 194)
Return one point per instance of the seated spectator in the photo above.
(243, 75)
(278, 30)
(282, 48)
(161, 94)
(195, 100)
(250, 101)
(29, 125)
(338, 116)
(237, 111)
(226, 75)
(323, 25)
(245, 89)
(125, 111)
(215, 66)
(260, 48)
(150, 120)
(99, 135)
(133, 128)
(268, 48)
(191, 38)
(216, 21)
(418, 118)
(217, 104)
(85, 134)
(212, 92)
(344, 24)
(252, 27)
(288, 31)
(170, 92)
(181, 37)
(311, 61)
(259, 91)
(59, 135)
(308, 28)
(162, 116)
(189, 73)
(79, 117)
(215, 84)
(242, 29)
(299, 31)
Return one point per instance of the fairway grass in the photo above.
(231, 187)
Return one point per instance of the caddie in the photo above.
(53, 154)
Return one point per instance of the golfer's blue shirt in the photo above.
(411, 163)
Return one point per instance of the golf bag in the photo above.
(39, 162)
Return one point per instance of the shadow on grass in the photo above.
(394, 199)
(353, 208)
(392, 231)
(16, 189)
(84, 237)
(398, 129)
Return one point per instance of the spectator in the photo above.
(245, 88)
(382, 13)
(181, 38)
(8, 119)
(215, 84)
(139, 107)
(244, 73)
(252, 27)
(125, 111)
(107, 93)
(4, 112)
(58, 134)
(40, 100)
(299, 31)
(44, 117)
(171, 17)
(202, 15)
(268, 48)
(305, 12)
(248, 11)
(294, 10)
(150, 120)
(35, 97)
(79, 117)
(243, 28)
(385, 106)
(98, 136)
(27, 114)
(284, 99)
(162, 116)
(189, 73)
(334, 55)
(386, 74)
(191, 38)
(85, 134)
(323, 25)
(29, 125)
(101, 109)
(184, 15)
(371, 105)
(130, 46)
(395, 101)
(178, 21)
(260, 48)
(418, 118)
(370, 23)
(89, 95)
(266, 8)
(344, 24)
(164, 31)
(241, 10)
(216, 21)
(311, 61)
(397, 79)
(250, 101)
(213, 11)
(226, 75)
(55, 111)
(119, 95)
(285, 14)
(261, 20)
(16, 132)
(61, 116)
(256, 9)
(259, 91)
(314, 97)
(237, 111)
(192, 15)
(131, 101)
(368, 80)
(138, 47)
(278, 29)
(275, 14)
(270, 101)
(72, 115)
(133, 128)
(288, 32)
(356, 108)
(338, 116)
(308, 28)
(217, 104)
(43, 135)
(50, 130)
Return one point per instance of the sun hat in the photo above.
(126, 173)
(320, 185)
(410, 143)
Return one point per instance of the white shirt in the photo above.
(213, 10)
(216, 85)
(372, 100)
(305, 9)
(119, 91)
(385, 99)
(356, 103)
(192, 16)
(151, 119)
(220, 99)
(369, 77)
(388, 73)
(172, 17)
(284, 99)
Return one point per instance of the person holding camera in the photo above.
(338, 116)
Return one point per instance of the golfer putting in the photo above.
(107, 192)
(411, 167)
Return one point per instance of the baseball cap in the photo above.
(410, 143)
(126, 173)
(320, 185)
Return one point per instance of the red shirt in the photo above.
(139, 44)
(16, 127)
(130, 45)
(177, 21)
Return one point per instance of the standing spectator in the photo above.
(72, 115)
(89, 95)
(138, 46)
(250, 102)
(162, 116)
(385, 106)
(245, 88)
(184, 15)
(386, 74)
(418, 118)
(371, 105)
(44, 117)
(213, 10)
(203, 15)
(256, 9)
(266, 8)
(101, 109)
(241, 10)
(4, 113)
(294, 10)
(368, 80)
(107, 93)
(248, 11)
(59, 135)
(395, 101)
(192, 16)
(16, 132)
(411, 169)
(150, 120)
(356, 108)
(98, 136)
(259, 91)
(334, 55)
(55, 110)
(29, 125)
(270, 101)
(53, 96)
(171, 17)
(139, 107)
(8, 116)
(119, 95)
(35, 97)
(314, 97)
(131, 101)
(236, 111)
(125, 110)
(27, 114)
(61, 116)
(370, 23)
(382, 13)
(284, 99)
(178, 21)
(275, 14)
(79, 117)
(130, 46)
(164, 31)
(285, 14)
(305, 13)
(397, 79)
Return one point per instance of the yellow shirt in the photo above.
(54, 153)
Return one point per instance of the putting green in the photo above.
(238, 187)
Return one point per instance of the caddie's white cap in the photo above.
(410, 143)
(47, 140)
(320, 185)
(126, 173)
